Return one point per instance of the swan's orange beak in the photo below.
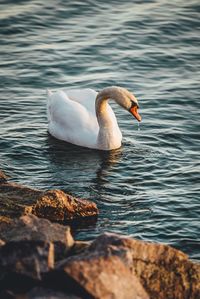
(134, 112)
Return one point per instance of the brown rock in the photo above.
(163, 271)
(101, 276)
(3, 177)
(23, 263)
(59, 206)
(32, 228)
(80, 246)
(4, 219)
(17, 200)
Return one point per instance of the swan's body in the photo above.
(84, 117)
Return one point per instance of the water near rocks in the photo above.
(149, 188)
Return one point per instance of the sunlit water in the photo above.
(149, 188)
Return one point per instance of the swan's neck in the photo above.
(109, 136)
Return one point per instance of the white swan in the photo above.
(84, 117)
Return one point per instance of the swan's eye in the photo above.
(133, 104)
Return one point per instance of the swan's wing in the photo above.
(70, 121)
(85, 97)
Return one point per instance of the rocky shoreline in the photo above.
(17, 200)
(40, 259)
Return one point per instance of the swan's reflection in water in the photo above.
(107, 161)
(78, 169)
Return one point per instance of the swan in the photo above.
(84, 117)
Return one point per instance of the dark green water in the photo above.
(148, 189)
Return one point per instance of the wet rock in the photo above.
(3, 177)
(163, 271)
(97, 275)
(30, 227)
(43, 293)
(17, 200)
(22, 263)
(59, 206)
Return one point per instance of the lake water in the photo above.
(148, 189)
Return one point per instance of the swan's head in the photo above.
(123, 97)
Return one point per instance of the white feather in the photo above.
(72, 116)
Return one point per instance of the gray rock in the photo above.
(22, 263)
(32, 228)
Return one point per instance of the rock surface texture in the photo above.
(23, 263)
(3, 177)
(32, 228)
(112, 266)
(17, 200)
(163, 271)
(59, 206)
(101, 275)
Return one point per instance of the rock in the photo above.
(22, 263)
(3, 177)
(99, 276)
(59, 206)
(80, 246)
(112, 266)
(4, 219)
(43, 293)
(32, 228)
(17, 200)
(163, 271)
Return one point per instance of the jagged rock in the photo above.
(99, 275)
(59, 206)
(112, 266)
(43, 293)
(32, 228)
(55, 205)
(22, 263)
(163, 271)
